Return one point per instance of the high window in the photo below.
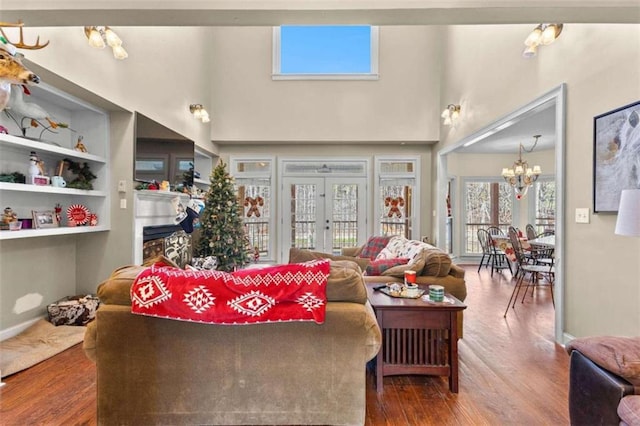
(325, 52)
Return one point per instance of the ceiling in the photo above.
(278, 12)
(508, 140)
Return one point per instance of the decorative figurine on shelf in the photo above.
(35, 166)
(80, 146)
(36, 170)
(9, 215)
(8, 218)
(58, 210)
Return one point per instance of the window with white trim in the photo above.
(397, 196)
(254, 182)
(325, 52)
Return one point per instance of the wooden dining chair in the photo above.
(495, 257)
(524, 269)
(483, 239)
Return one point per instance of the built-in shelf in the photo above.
(40, 147)
(48, 189)
(54, 147)
(47, 232)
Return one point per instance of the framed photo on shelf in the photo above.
(39, 180)
(44, 219)
(616, 155)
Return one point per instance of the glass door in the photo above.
(323, 214)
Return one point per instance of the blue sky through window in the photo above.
(327, 49)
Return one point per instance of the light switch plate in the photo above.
(582, 215)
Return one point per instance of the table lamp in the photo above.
(628, 222)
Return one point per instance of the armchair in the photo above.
(604, 380)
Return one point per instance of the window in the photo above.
(253, 181)
(544, 200)
(325, 52)
(397, 197)
(486, 203)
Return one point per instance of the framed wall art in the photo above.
(44, 219)
(616, 156)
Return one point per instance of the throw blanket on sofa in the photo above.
(293, 292)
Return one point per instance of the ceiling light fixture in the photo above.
(450, 114)
(543, 34)
(521, 176)
(199, 112)
(100, 36)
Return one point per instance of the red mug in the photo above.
(410, 277)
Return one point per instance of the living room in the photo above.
(472, 57)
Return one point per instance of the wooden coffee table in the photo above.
(417, 337)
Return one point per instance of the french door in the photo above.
(323, 213)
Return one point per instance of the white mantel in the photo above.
(152, 208)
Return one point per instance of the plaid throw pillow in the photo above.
(374, 246)
(377, 267)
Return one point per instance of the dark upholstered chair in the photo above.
(604, 380)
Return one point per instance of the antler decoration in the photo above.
(20, 44)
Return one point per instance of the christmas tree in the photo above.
(222, 230)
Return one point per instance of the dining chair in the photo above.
(530, 231)
(524, 269)
(495, 257)
(483, 239)
(543, 255)
(494, 230)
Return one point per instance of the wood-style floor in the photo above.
(511, 373)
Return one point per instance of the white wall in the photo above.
(599, 64)
(249, 106)
(166, 71)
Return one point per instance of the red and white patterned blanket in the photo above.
(293, 292)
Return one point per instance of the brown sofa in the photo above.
(435, 267)
(160, 371)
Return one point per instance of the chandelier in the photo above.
(521, 176)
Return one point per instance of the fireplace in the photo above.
(155, 231)
(167, 240)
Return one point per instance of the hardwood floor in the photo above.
(511, 373)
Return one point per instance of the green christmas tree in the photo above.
(222, 230)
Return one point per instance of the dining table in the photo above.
(548, 241)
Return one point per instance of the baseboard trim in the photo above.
(566, 337)
(17, 329)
